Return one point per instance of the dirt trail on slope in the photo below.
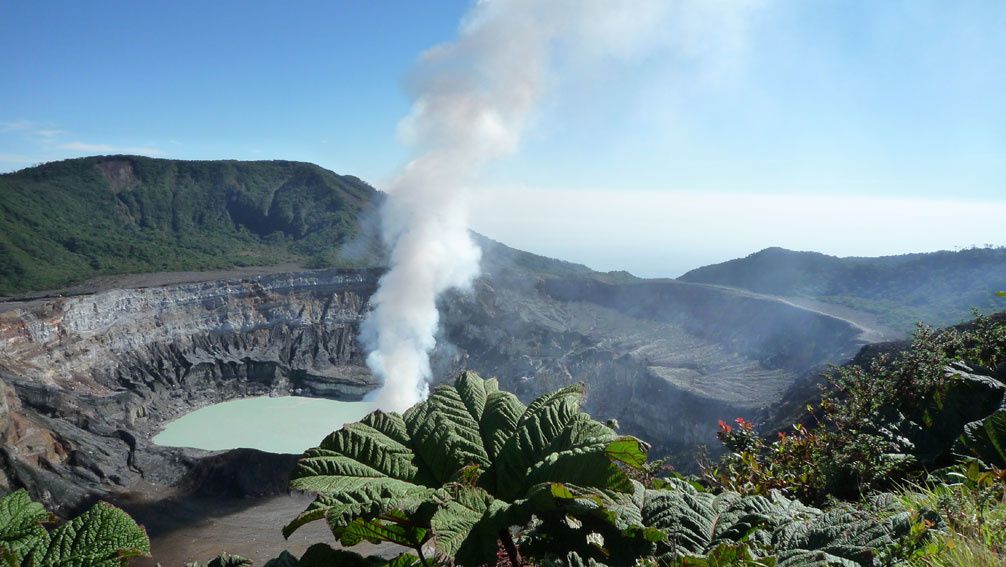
(873, 330)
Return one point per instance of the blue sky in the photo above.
(897, 104)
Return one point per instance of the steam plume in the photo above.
(472, 100)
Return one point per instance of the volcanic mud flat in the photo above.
(196, 528)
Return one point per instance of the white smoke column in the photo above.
(472, 101)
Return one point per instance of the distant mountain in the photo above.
(68, 221)
(939, 288)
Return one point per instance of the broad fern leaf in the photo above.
(806, 558)
(857, 535)
(696, 522)
(701, 528)
(725, 555)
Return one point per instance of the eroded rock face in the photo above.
(88, 379)
(667, 360)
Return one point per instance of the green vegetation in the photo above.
(103, 536)
(473, 477)
(971, 503)
(927, 424)
(889, 420)
(458, 469)
(901, 462)
(940, 287)
(64, 222)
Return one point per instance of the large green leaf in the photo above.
(395, 527)
(104, 536)
(542, 421)
(695, 522)
(21, 528)
(340, 508)
(499, 421)
(322, 555)
(469, 433)
(926, 432)
(445, 430)
(571, 559)
(467, 525)
(985, 439)
(683, 520)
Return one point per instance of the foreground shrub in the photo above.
(886, 421)
(456, 470)
(689, 526)
(971, 502)
(473, 477)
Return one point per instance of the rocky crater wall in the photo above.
(85, 381)
(88, 379)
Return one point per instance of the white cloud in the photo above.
(16, 126)
(110, 149)
(49, 133)
(658, 233)
(48, 137)
(42, 131)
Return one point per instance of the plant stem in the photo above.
(511, 548)
(422, 558)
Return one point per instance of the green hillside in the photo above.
(68, 221)
(939, 288)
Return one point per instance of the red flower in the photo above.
(724, 427)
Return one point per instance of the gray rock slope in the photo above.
(87, 380)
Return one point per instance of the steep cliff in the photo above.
(88, 379)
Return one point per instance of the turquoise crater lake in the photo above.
(288, 424)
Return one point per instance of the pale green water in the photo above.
(289, 424)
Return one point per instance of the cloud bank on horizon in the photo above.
(667, 233)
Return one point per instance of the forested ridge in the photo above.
(64, 222)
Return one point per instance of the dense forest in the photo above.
(64, 222)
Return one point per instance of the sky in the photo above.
(843, 126)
